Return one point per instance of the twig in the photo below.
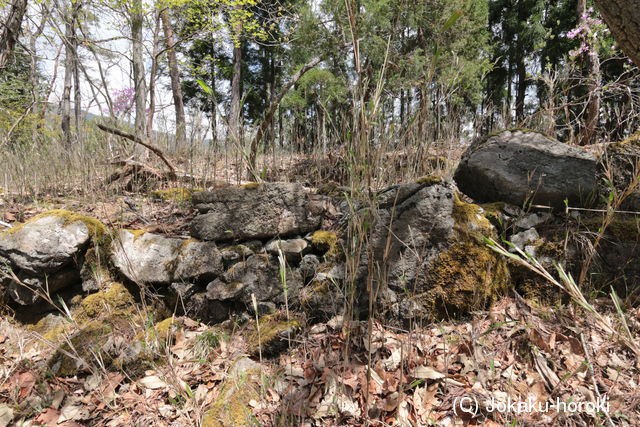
(5, 224)
(138, 140)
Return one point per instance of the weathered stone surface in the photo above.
(256, 211)
(190, 300)
(308, 267)
(522, 166)
(437, 264)
(154, 259)
(292, 249)
(258, 275)
(49, 241)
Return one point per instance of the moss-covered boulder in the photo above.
(232, 407)
(47, 251)
(104, 330)
(428, 258)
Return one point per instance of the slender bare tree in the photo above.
(11, 29)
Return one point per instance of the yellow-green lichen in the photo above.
(269, 337)
(162, 331)
(116, 301)
(175, 194)
(250, 185)
(470, 218)
(96, 228)
(429, 180)
(136, 233)
(628, 146)
(51, 328)
(325, 241)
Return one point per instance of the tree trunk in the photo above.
(11, 29)
(70, 52)
(137, 58)
(622, 18)
(153, 77)
(593, 86)
(521, 90)
(174, 74)
(236, 93)
(77, 95)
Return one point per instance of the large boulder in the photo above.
(46, 253)
(520, 166)
(49, 241)
(153, 259)
(256, 211)
(428, 258)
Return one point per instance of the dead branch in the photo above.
(138, 140)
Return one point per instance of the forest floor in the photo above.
(513, 365)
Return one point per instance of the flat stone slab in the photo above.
(256, 211)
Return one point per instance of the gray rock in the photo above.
(308, 267)
(154, 259)
(292, 249)
(45, 244)
(524, 238)
(258, 275)
(420, 224)
(256, 211)
(518, 166)
(532, 220)
(233, 254)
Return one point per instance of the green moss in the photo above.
(96, 228)
(273, 329)
(465, 277)
(175, 194)
(325, 241)
(115, 301)
(163, 330)
(250, 185)
(52, 328)
(429, 180)
(495, 208)
(470, 218)
(84, 345)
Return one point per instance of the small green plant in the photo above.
(211, 338)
